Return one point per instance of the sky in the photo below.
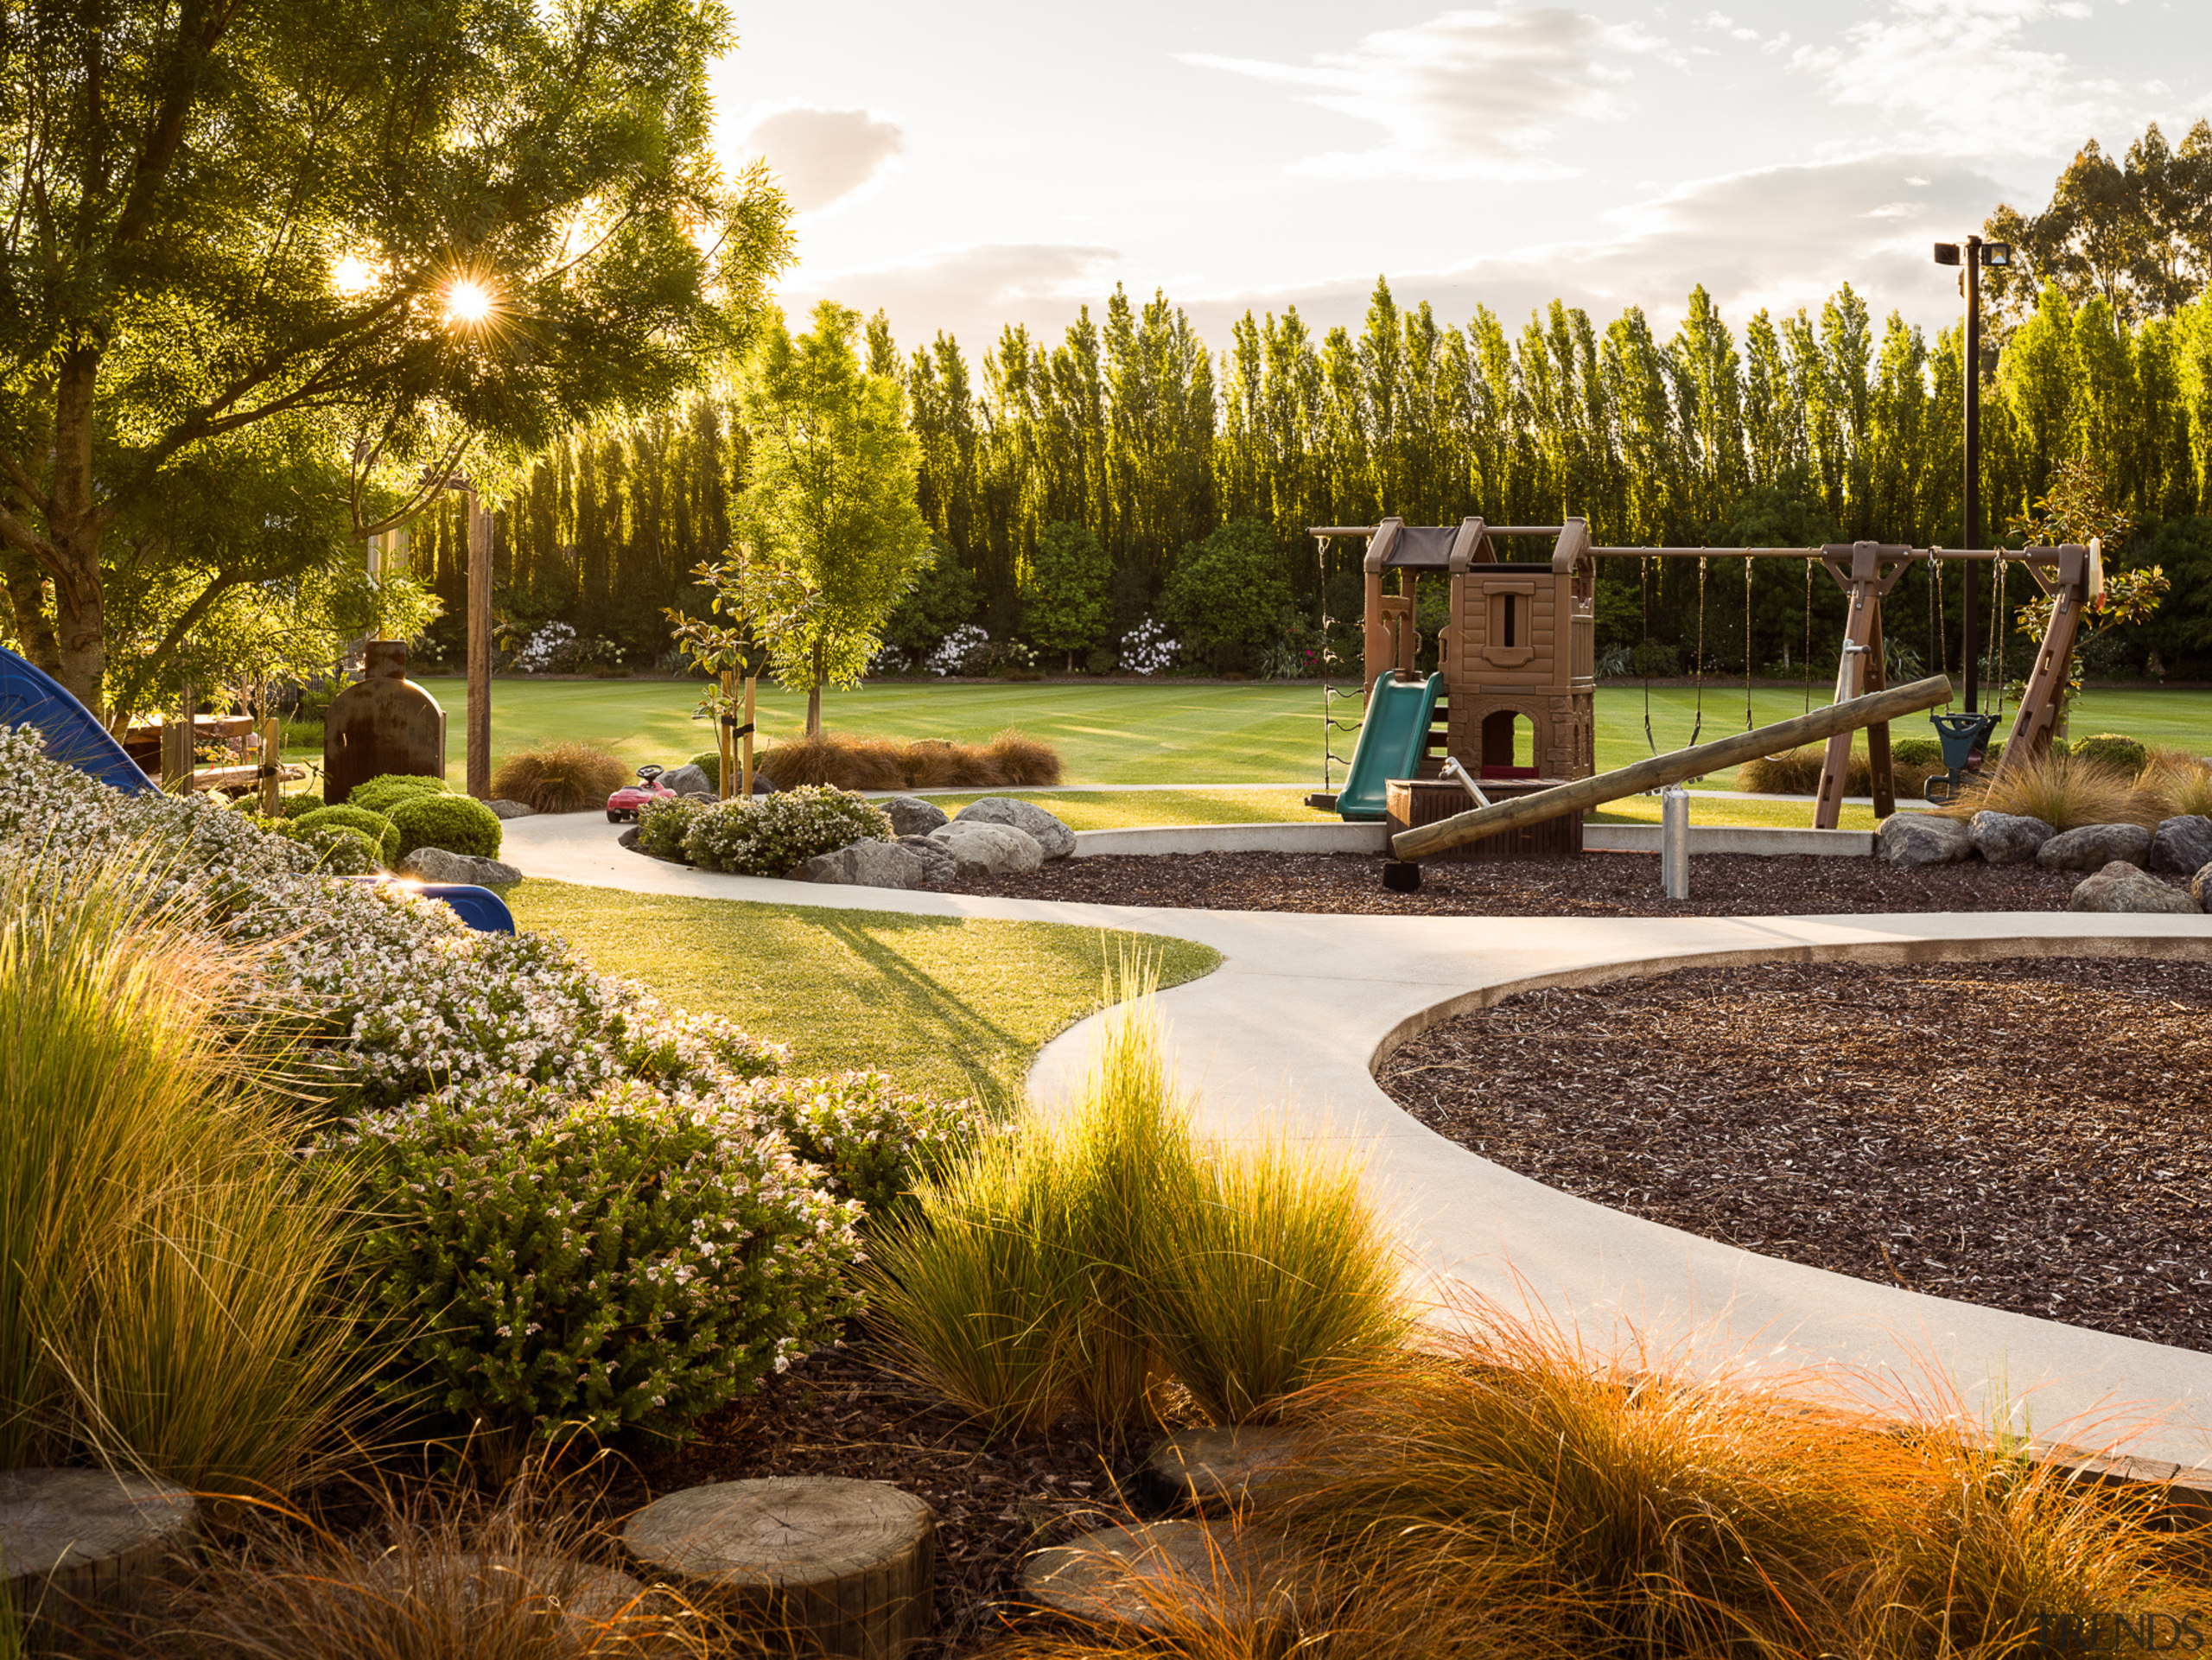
(968, 163)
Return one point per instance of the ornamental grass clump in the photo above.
(590, 1265)
(560, 776)
(855, 762)
(769, 836)
(168, 1256)
(2177, 783)
(2065, 792)
(1913, 761)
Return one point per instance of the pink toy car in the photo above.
(625, 801)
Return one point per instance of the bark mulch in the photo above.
(2033, 1135)
(1595, 884)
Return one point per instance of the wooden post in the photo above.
(744, 736)
(1882, 775)
(1866, 571)
(272, 761)
(1425, 840)
(480, 649)
(725, 747)
(2036, 718)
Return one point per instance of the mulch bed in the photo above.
(1595, 884)
(2033, 1135)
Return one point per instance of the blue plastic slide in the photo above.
(30, 696)
(1392, 740)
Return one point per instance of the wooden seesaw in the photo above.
(1425, 840)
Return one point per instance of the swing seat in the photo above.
(1965, 738)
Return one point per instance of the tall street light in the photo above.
(1973, 254)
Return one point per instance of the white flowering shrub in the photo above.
(548, 650)
(771, 834)
(873, 1143)
(1147, 648)
(966, 650)
(620, 1261)
(664, 822)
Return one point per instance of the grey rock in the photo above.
(1921, 838)
(944, 868)
(687, 780)
(2200, 888)
(507, 809)
(436, 865)
(1054, 838)
(2004, 838)
(865, 864)
(628, 839)
(2092, 847)
(2120, 886)
(911, 815)
(2181, 846)
(988, 849)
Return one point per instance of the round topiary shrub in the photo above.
(2112, 749)
(338, 848)
(382, 793)
(374, 825)
(769, 834)
(295, 806)
(458, 824)
(597, 1264)
(1917, 751)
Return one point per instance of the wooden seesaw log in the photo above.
(1657, 773)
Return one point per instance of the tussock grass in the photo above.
(2177, 783)
(560, 776)
(2065, 792)
(852, 762)
(167, 1253)
(1797, 772)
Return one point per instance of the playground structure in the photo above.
(1518, 644)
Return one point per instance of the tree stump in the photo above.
(1164, 1578)
(74, 1536)
(842, 1568)
(1217, 1469)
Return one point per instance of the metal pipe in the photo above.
(1970, 280)
(1674, 841)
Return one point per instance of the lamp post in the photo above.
(1971, 254)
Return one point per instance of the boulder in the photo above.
(866, 864)
(628, 839)
(2183, 846)
(687, 780)
(436, 865)
(942, 869)
(1054, 838)
(911, 815)
(988, 849)
(2004, 838)
(506, 809)
(2200, 888)
(1923, 838)
(2120, 886)
(2092, 847)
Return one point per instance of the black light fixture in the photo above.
(1973, 254)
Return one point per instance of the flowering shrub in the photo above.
(621, 1259)
(1146, 649)
(768, 835)
(548, 651)
(871, 1142)
(338, 849)
(458, 824)
(966, 650)
(664, 824)
(1014, 658)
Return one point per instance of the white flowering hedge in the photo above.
(501, 1093)
(770, 834)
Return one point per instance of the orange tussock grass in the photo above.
(1797, 772)
(2063, 790)
(853, 761)
(2177, 783)
(560, 776)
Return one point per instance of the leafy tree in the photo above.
(1228, 593)
(1066, 605)
(829, 536)
(412, 225)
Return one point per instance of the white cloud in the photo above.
(823, 155)
(1963, 78)
(970, 292)
(1469, 94)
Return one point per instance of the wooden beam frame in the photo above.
(1865, 571)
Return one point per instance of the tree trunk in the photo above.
(814, 694)
(27, 599)
(74, 527)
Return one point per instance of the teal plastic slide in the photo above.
(1391, 741)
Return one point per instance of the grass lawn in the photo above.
(948, 1006)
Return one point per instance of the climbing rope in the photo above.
(1808, 665)
(1329, 691)
(1643, 648)
(1749, 724)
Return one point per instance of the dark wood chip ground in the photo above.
(2035, 1135)
(1596, 884)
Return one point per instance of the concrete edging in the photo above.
(1295, 838)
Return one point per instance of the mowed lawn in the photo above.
(1176, 734)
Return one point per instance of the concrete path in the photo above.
(1282, 1039)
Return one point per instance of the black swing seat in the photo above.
(1965, 738)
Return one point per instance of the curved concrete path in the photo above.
(1281, 1039)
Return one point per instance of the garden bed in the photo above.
(2026, 1135)
(1596, 884)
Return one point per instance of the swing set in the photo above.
(1518, 644)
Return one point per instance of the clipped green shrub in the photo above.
(294, 806)
(663, 825)
(1925, 753)
(604, 1263)
(373, 825)
(769, 834)
(710, 761)
(458, 824)
(2112, 749)
(338, 848)
(382, 793)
